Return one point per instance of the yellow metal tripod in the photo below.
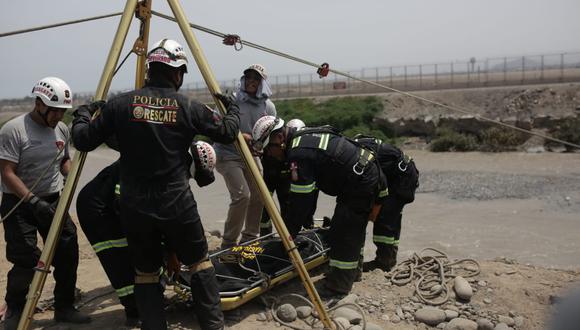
(143, 11)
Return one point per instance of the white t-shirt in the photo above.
(33, 147)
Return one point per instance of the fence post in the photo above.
(405, 76)
(435, 85)
(468, 75)
(505, 70)
(486, 68)
(287, 85)
(452, 74)
(542, 68)
(391, 76)
(420, 76)
(562, 67)
(311, 85)
(377, 75)
(523, 69)
(299, 85)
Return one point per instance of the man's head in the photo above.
(53, 97)
(167, 61)
(253, 76)
(269, 136)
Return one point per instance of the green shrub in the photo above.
(568, 131)
(501, 139)
(449, 140)
(342, 112)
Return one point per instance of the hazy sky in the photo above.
(350, 35)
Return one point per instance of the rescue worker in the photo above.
(321, 158)
(30, 144)
(154, 127)
(98, 212)
(243, 219)
(403, 180)
(277, 178)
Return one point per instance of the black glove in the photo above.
(41, 209)
(204, 177)
(227, 99)
(89, 109)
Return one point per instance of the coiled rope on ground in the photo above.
(432, 272)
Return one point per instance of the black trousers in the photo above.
(20, 230)
(348, 230)
(387, 231)
(167, 212)
(102, 227)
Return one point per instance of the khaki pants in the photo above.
(246, 205)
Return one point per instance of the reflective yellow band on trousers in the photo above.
(343, 264)
(122, 292)
(385, 240)
(303, 189)
(116, 243)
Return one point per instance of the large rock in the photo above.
(450, 314)
(462, 288)
(342, 322)
(286, 313)
(502, 326)
(303, 311)
(430, 316)
(461, 324)
(507, 320)
(484, 324)
(352, 316)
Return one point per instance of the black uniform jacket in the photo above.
(325, 161)
(154, 127)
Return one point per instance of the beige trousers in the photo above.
(246, 205)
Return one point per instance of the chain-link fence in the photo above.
(501, 71)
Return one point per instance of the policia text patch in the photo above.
(154, 110)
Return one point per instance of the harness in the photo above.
(365, 157)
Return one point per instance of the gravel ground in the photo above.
(557, 190)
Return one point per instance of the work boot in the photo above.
(386, 258)
(70, 315)
(206, 299)
(338, 282)
(132, 318)
(369, 266)
(149, 298)
(12, 319)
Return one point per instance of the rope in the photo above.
(344, 74)
(432, 274)
(312, 325)
(44, 27)
(312, 64)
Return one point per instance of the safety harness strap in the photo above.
(206, 264)
(146, 278)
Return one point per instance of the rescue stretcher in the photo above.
(250, 269)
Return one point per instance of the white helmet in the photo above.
(53, 92)
(168, 52)
(262, 130)
(259, 68)
(205, 155)
(296, 123)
